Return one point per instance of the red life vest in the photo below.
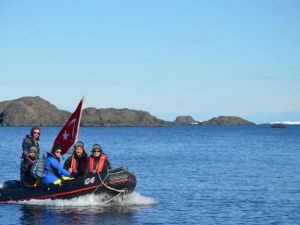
(73, 165)
(99, 166)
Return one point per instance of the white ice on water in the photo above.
(287, 122)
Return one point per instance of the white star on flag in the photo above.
(65, 135)
(69, 132)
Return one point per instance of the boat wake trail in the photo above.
(135, 199)
(131, 200)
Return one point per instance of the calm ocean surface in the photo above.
(186, 175)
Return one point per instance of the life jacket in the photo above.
(78, 165)
(73, 165)
(100, 164)
(37, 168)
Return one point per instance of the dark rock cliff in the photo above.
(185, 120)
(227, 120)
(29, 111)
(119, 117)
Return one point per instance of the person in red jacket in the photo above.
(97, 161)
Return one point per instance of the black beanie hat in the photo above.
(56, 146)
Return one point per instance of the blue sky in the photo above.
(198, 58)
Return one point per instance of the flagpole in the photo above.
(79, 120)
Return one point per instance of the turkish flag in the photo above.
(68, 134)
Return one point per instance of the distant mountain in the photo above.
(119, 117)
(30, 111)
(185, 120)
(227, 120)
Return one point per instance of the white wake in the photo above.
(133, 199)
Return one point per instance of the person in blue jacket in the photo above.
(53, 171)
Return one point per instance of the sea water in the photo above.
(186, 175)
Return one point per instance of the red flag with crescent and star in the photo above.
(68, 134)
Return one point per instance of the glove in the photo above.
(67, 178)
(37, 183)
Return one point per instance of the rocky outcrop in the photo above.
(3, 105)
(185, 120)
(30, 111)
(119, 117)
(227, 120)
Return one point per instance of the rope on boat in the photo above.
(109, 200)
(123, 191)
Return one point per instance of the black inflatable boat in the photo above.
(115, 182)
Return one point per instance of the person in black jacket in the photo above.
(77, 162)
(98, 162)
(26, 178)
(31, 140)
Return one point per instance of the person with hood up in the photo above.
(98, 161)
(77, 162)
(26, 178)
(31, 139)
(53, 171)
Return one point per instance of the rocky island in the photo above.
(227, 120)
(185, 120)
(119, 117)
(31, 111)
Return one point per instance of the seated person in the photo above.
(26, 178)
(77, 162)
(53, 171)
(98, 161)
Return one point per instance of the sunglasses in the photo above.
(36, 132)
(96, 151)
